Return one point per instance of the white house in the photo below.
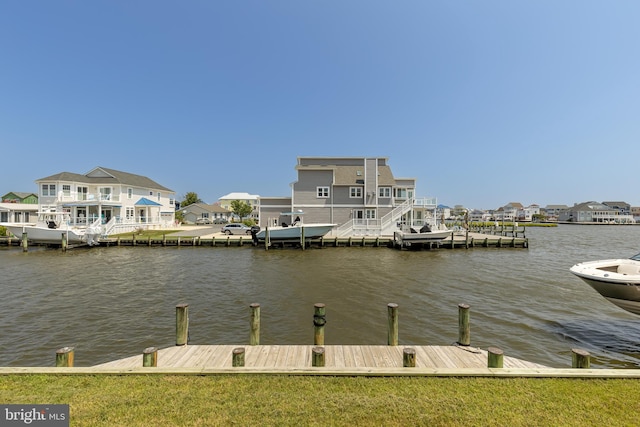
(122, 201)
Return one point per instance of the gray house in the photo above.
(594, 212)
(191, 213)
(358, 194)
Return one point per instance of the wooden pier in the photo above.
(344, 358)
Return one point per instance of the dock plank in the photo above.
(337, 357)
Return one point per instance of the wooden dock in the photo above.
(342, 358)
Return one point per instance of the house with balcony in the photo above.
(595, 212)
(121, 201)
(358, 194)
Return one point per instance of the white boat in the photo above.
(296, 230)
(618, 280)
(52, 226)
(419, 235)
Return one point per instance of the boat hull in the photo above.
(620, 289)
(46, 235)
(417, 239)
(311, 231)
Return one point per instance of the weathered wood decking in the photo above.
(337, 357)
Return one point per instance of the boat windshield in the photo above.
(636, 257)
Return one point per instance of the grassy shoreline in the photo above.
(280, 400)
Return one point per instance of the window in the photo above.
(129, 213)
(400, 193)
(171, 202)
(129, 193)
(323, 192)
(48, 189)
(371, 213)
(82, 193)
(355, 192)
(66, 190)
(105, 193)
(384, 192)
(158, 196)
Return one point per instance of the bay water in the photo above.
(113, 302)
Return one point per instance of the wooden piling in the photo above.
(164, 239)
(237, 357)
(317, 358)
(64, 357)
(495, 357)
(150, 357)
(254, 336)
(464, 332)
(319, 321)
(64, 242)
(409, 357)
(580, 358)
(25, 242)
(182, 324)
(392, 332)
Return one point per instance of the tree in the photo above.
(241, 208)
(189, 199)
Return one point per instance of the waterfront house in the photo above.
(122, 201)
(595, 212)
(191, 213)
(552, 212)
(359, 194)
(19, 207)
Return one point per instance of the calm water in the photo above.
(113, 302)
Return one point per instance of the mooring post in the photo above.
(182, 324)
(319, 320)
(302, 237)
(254, 336)
(317, 356)
(64, 357)
(409, 357)
(25, 242)
(464, 332)
(237, 359)
(495, 357)
(164, 239)
(392, 332)
(64, 242)
(580, 358)
(150, 357)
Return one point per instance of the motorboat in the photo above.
(420, 235)
(50, 228)
(295, 230)
(618, 280)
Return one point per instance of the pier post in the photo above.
(254, 337)
(64, 357)
(64, 242)
(392, 332)
(464, 332)
(317, 356)
(133, 239)
(409, 357)
(319, 320)
(150, 357)
(182, 324)
(495, 357)
(164, 239)
(302, 237)
(237, 359)
(25, 242)
(580, 358)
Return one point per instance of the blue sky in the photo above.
(485, 103)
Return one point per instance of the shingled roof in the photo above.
(102, 175)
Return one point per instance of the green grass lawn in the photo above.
(173, 400)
